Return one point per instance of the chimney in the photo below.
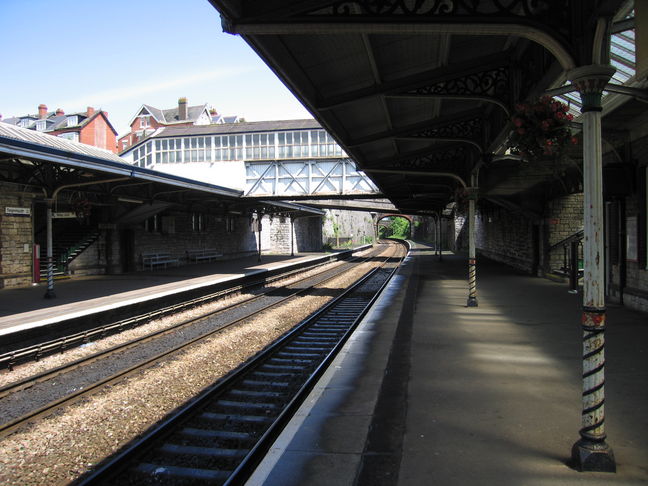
(90, 111)
(42, 111)
(182, 108)
(59, 112)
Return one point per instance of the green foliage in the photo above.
(396, 227)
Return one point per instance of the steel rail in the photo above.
(10, 359)
(110, 470)
(9, 427)
(49, 374)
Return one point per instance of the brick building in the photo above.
(90, 127)
(148, 119)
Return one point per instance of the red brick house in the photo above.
(148, 119)
(91, 127)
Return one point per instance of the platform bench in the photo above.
(205, 254)
(151, 260)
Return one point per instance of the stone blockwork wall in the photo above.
(176, 235)
(352, 226)
(15, 237)
(563, 218)
(505, 237)
(308, 234)
(633, 292)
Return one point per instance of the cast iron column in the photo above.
(49, 294)
(472, 257)
(440, 237)
(591, 452)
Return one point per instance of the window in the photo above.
(145, 121)
(72, 121)
(198, 221)
(74, 136)
(293, 145)
(143, 156)
(230, 224)
(41, 125)
(25, 122)
(259, 146)
(228, 147)
(168, 151)
(197, 149)
(124, 144)
(152, 224)
(323, 145)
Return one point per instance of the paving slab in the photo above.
(451, 395)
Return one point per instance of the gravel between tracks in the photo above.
(58, 449)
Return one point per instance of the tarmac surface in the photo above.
(428, 391)
(27, 306)
(431, 392)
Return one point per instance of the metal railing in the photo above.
(572, 248)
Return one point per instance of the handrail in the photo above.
(575, 237)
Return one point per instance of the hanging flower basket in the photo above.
(541, 129)
(82, 208)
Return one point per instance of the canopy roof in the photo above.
(421, 93)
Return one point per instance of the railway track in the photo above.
(129, 367)
(34, 352)
(219, 437)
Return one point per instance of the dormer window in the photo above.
(145, 121)
(72, 121)
(41, 125)
(25, 122)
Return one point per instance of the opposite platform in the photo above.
(22, 309)
(429, 391)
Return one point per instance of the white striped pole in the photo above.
(472, 257)
(49, 293)
(591, 452)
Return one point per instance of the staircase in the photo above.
(68, 243)
(572, 261)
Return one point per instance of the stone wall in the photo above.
(563, 218)
(634, 291)
(505, 237)
(355, 227)
(16, 236)
(176, 235)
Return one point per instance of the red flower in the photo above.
(570, 117)
(518, 122)
(574, 140)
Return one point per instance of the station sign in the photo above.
(64, 215)
(9, 211)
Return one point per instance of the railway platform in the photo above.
(25, 308)
(429, 391)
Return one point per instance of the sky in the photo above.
(119, 54)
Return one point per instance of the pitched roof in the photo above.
(229, 129)
(26, 143)
(241, 127)
(170, 116)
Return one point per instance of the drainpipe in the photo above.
(591, 452)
